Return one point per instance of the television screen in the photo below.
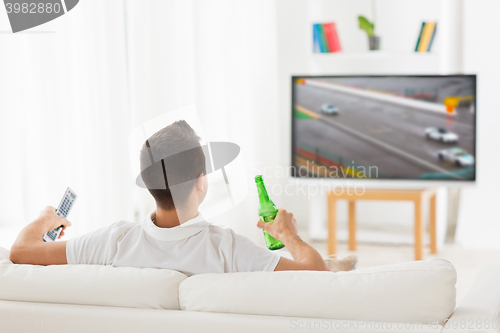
(384, 127)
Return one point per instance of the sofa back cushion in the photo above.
(4, 256)
(90, 285)
(411, 292)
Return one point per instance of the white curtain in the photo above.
(65, 116)
(69, 99)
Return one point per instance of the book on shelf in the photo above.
(317, 43)
(426, 37)
(332, 37)
(325, 38)
(322, 38)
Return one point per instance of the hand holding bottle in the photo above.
(267, 213)
(282, 227)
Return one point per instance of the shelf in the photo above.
(376, 54)
(373, 62)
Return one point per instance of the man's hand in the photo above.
(29, 247)
(283, 227)
(48, 220)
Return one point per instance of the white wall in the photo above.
(479, 221)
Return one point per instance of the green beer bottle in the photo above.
(267, 213)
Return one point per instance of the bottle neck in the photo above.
(261, 190)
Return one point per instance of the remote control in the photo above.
(62, 211)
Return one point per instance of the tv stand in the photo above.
(417, 196)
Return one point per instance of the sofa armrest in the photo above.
(479, 310)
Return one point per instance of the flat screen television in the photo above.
(384, 127)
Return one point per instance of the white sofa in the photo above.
(409, 297)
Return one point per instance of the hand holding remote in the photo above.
(57, 218)
(50, 220)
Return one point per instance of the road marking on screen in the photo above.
(377, 95)
(307, 112)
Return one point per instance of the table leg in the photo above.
(432, 224)
(352, 225)
(418, 230)
(332, 224)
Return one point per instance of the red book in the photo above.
(332, 38)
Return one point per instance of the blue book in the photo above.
(317, 41)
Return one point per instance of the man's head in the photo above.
(173, 167)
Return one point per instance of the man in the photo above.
(175, 236)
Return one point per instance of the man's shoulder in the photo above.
(227, 234)
(216, 229)
(123, 226)
(120, 227)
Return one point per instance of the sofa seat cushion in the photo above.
(90, 285)
(419, 291)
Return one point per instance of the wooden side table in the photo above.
(417, 196)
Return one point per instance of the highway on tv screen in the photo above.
(384, 127)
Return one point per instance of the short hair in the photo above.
(172, 159)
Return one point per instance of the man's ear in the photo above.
(200, 186)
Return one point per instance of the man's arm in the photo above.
(284, 228)
(29, 247)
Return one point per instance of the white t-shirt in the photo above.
(193, 247)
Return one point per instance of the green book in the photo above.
(322, 39)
